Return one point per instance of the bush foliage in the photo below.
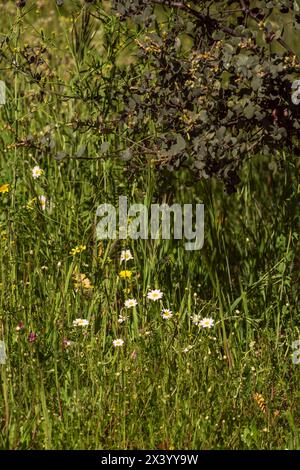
(200, 85)
(224, 97)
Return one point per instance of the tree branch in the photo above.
(208, 20)
(203, 18)
(280, 41)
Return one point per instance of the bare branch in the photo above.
(203, 18)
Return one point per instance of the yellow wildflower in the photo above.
(125, 274)
(77, 249)
(4, 188)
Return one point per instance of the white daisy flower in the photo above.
(126, 255)
(166, 313)
(43, 201)
(187, 349)
(155, 294)
(80, 322)
(129, 303)
(37, 172)
(118, 342)
(207, 323)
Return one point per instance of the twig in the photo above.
(280, 41)
(203, 18)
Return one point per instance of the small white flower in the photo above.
(37, 172)
(207, 323)
(126, 255)
(118, 342)
(196, 319)
(129, 303)
(43, 201)
(122, 318)
(80, 322)
(187, 349)
(166, 313)
(155, 294)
